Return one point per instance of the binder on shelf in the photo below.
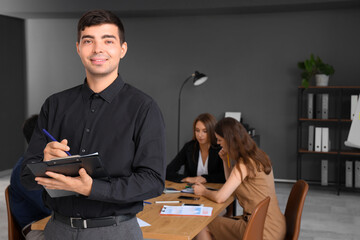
(310, 112)
(353, 139)
(318, 136)
(348, 174)
(318, 110)
(325, 106)
(324, 172)
(357, 174)
(311, 138)
(354, 100)
(325, 139)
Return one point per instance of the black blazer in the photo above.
(189, 157)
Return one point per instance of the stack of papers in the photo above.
(188, 190)
(171, 190)
(186, 210)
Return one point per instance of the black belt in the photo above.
(75, 222)
(26, 230)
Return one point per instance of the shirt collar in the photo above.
(108, 94)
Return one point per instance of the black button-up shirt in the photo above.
(126, 128)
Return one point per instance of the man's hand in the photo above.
(81, 184)
(198, 179)
(55, 150)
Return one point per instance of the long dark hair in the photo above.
(242, 147)
(209, 121)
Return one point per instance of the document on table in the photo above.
(186, 210)
(142, 223)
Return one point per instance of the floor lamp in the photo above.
(198, 79)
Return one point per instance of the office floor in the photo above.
(326, 216)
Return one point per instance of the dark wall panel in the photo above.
(12, 85)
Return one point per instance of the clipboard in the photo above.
(69, 166)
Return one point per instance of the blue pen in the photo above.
(52, 138)
(147, 202)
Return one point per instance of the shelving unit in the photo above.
(338, 122)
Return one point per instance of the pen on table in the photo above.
(52, 138)
(167, 201)
(147, 202)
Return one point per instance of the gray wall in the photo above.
(12, 86)
(250, 60)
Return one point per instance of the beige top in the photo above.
(253, 190)
(249, 193)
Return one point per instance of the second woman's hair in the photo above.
(242, 146)
(209, 121)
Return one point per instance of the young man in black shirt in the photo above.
(108, 116)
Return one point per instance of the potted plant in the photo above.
(315, 67)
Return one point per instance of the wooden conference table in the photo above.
(171, 227)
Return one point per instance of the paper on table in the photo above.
(142, 223)
(188, 190)
(186, 210)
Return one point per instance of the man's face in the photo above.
(100, 50)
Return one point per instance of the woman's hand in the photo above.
(223, 155)
(199, 189)
(197, 179)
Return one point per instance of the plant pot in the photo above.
(321, 80)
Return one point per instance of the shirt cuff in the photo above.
(99, 189)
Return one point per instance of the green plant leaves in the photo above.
(311, 67)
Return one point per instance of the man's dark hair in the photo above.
(29, 126)
(98, 17)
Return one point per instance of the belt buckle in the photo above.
(72, 225)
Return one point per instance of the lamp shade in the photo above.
(199, 78)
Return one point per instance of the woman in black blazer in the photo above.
(199, 156)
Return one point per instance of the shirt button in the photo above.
(83, 150)
(92, 110)
(87, 130)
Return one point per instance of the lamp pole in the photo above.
(179, 104)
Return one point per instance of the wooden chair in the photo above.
(294, 209)
(255, 227)
(14, 230)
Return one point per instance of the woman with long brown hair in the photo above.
(250, 177)
(199, 156)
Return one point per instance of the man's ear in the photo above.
(77, 47)
(123, 49)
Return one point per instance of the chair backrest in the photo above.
(255, 227)
(294, 209)
(14, 231)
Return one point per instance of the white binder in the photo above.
(325, 139)
(235, 115)
(357, 174)
(353, 139)
(325, 106)
(324, 172)
(318, 136)
(348, 174)
(318, 110)
(310, 107)
(311, 138)
(354, 100)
